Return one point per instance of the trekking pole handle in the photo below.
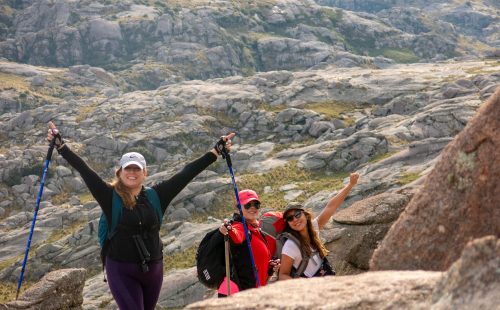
(51, 149)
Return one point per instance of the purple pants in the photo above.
(133, 289)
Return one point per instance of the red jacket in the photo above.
(260, 250)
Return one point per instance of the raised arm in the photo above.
(101, 190)
(336, 201)
(168, 189)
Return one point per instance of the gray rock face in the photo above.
(60, 289)
(472, 282)
(431, 233)
(181, 287)
(360, 228)
(200, 41)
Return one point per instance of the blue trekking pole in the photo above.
(226, 156)
(47, 161)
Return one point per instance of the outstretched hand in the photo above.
(53, 133)
(224, 143)
(353, 178)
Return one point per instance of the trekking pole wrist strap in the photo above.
(220, 146)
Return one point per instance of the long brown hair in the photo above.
(122, 191)
(314, 240)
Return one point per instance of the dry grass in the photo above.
(61, 198)
(308, 182)
(180, 260)
(8, 290)
(269, 108)
(382, 156)
(85, 111)
(332, 108)
(60, 233)
(12, 81)
(86, 197)
(408, 177)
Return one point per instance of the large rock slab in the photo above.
(371, 290)
(471, 283)
(458, 202)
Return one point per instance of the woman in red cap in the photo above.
(304, 229)
(241, 261)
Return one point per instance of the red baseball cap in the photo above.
(247, 195)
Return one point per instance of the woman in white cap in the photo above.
(305, 232)
(134, 282)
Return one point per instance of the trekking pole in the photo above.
(228, 275)
(226, 156)
(47, 161)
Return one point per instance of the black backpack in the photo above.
(210, 260)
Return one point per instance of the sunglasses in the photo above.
(296, 214)
(254, 204)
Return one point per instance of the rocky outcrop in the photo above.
(207, 41)
(458, 202)
(471, 283)
(358, 229)
(60, 289)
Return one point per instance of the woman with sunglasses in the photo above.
(241, 261)
(301, 225)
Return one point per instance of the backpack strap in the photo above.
(154, 199)
(116, 213)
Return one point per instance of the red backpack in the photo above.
(272, 224)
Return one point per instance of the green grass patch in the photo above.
(278, 147)
(180, 260)
(380, 157)
(275, 109)
(408, 177)
(401, 56)
(8, 262)
(332, 108)
(86, 197)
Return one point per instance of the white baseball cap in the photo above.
(133, 158)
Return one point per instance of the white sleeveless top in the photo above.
(292, 250)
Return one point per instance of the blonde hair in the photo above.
(314, 240)
(127, 197)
